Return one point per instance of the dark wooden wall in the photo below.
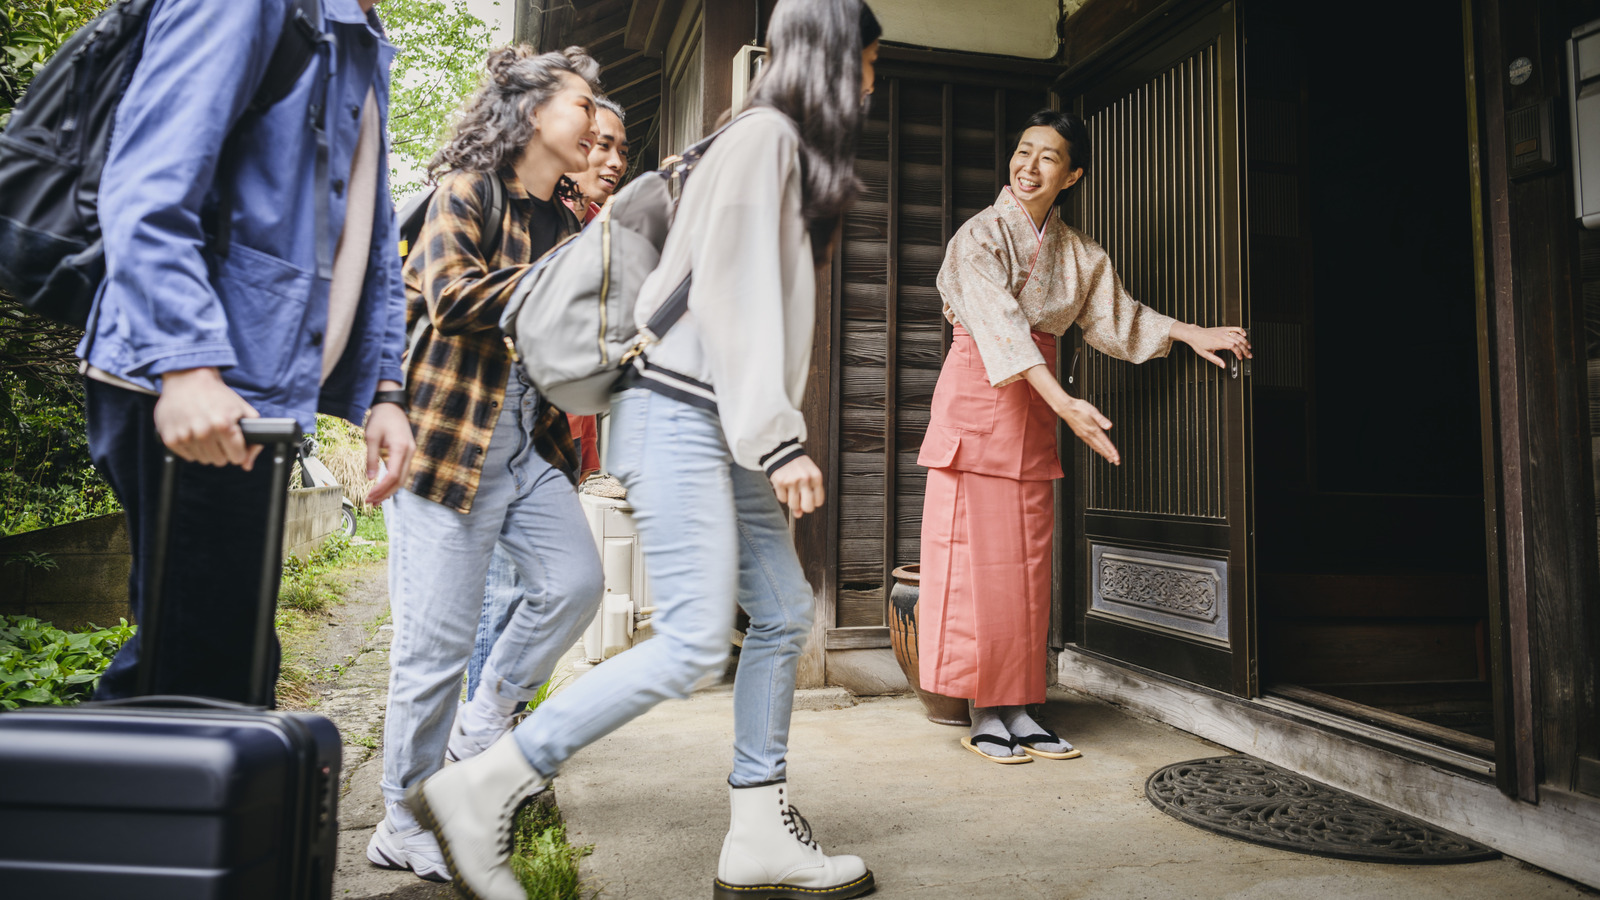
(933, 155)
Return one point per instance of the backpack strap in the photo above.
(677, 172)
(670, 311)
(494, 214)
(296, 45)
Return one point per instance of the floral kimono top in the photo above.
(1003, 278)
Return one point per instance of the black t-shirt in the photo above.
(544, 226)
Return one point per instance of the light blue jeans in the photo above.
(438, 562)
(713, 534)
(502, 591)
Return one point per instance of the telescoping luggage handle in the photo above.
(281, 437)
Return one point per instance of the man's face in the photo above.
(608, 159)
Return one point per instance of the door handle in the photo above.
(1237, 364)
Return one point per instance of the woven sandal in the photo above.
(1009, 743)
(1049, 737)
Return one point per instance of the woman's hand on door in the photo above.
(1206, 341)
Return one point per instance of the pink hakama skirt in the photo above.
(987, 521)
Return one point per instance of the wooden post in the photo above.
(729, 25)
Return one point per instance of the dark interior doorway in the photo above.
(1371, 583)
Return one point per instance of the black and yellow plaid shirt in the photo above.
(456, 374)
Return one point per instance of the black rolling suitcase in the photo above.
(174, 798)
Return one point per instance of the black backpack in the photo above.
(414, 212)
(53, 151)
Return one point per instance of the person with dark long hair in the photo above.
(1015, 278)
(707, 436)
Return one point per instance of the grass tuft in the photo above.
(541, 858)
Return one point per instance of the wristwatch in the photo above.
(398, 398)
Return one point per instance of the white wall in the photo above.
(1025, 28)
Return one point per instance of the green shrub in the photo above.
(307, 583)
(41, 665)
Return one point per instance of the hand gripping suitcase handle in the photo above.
(281, 437)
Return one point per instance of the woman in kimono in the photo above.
(1014, 278)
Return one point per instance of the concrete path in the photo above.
(934, 821)
(877, 779)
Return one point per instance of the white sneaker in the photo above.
(469, 808)
(474, 730)
(769, 854)
(414, 849)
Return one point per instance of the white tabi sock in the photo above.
(1021, 725)
(986, 721)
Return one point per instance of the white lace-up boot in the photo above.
(469, 807)
(769, 854)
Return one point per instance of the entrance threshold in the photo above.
(1422, 733)
(1422, 749)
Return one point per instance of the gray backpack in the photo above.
(569, 322)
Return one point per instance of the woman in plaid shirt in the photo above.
(494, 461)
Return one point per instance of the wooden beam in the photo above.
(641, 19)
(660, 31)
(1519, 748)
(641, 93)
(947, 193)
(891, 371)
(594, 34)
(728, 25)
(954, 59)
(816, 537)
(872, 637)
(557, 23)
(527, 21)
(1100, 25)
(591, 11)
(637, 69)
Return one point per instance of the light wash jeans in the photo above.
(438, 562)
(713, 533)
(502, 591)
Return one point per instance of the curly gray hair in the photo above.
(497, 122)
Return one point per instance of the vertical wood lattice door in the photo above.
(1161, 544)
(933, 155)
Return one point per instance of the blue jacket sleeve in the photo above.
(385, 282)
(202, 62)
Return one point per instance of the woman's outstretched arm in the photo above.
(1080, 415)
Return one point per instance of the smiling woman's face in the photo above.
(1041, 167)
(564, 125)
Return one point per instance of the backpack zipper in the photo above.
(605, 278)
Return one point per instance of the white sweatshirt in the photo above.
(744, 347)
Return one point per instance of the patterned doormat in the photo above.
(1255, 801)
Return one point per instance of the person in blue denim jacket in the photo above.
(297, 313)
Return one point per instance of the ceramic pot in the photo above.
(903, 637)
